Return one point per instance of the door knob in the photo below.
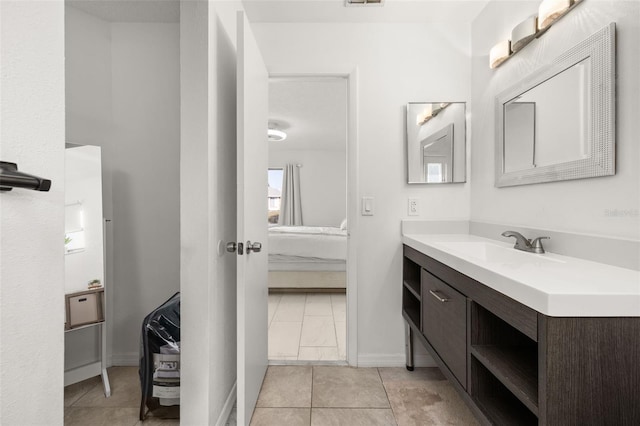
(257, 247)
(232, 247)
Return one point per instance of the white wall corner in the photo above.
(228, 406)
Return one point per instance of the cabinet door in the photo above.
(444, 316)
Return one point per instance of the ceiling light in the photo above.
(276, 135)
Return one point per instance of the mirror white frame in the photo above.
(599, 49)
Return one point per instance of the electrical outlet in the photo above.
(414, 206)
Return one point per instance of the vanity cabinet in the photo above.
(515, 366)
(444, 313)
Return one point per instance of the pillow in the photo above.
(343, 225)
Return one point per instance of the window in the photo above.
(434, 173)
(274, 194)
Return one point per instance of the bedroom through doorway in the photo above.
(307, 211)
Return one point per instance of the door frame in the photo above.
(351, 77)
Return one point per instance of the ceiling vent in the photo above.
(363, 3)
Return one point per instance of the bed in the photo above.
(307, 257)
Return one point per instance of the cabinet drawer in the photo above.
(444, 323)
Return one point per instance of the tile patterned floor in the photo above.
(85, 404)
(336, 396)
(307, 327)
(296, 395)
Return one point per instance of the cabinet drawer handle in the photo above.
(437, 296)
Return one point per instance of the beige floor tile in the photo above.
(151, 421)
(318, 353)
(281, 417)
(341, 338)
(318, 305)
(318, 331)
(125, 390)
(290, 308)
(286, 386)
(100, 416)
(74, 392)
(427, 402)
(352, 417)
(274, 300)
(339, 307)
(284, 339)
(345, 387)
(395, 374)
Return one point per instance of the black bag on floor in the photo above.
(160, 361)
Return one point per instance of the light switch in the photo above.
(367, 206)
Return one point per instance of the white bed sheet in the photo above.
(308, 241)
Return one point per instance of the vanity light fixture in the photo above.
(430, 111)
(523, 33)
(425, 115)
(499, 53)
(549, 12)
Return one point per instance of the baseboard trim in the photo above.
(228, 406)
(81, 373)
(393, 360)
(127, 359)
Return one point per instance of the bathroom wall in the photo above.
(395, 65)
(605, 206)
(146, 178)
(32, 223)
(323, 183)
(123, 94)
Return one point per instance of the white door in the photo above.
(252, 220)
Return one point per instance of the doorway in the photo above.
(307, 219)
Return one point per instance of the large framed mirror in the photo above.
(436, 142)
(559, 122)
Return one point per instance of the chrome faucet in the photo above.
(525, 244)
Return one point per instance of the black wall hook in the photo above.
(10, 178)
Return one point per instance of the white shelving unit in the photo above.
(98, 368)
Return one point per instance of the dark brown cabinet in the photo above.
(444, 324)
(515, 366)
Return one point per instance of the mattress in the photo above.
(280, 262)
(315, 243)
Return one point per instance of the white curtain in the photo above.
(290, 203)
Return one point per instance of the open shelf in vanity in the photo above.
(411, 293)
(513, 365)
(499, 353)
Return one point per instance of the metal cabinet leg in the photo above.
(408, 345)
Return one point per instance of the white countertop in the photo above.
(554, 285)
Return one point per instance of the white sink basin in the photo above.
(549, 283)
(494, 253)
